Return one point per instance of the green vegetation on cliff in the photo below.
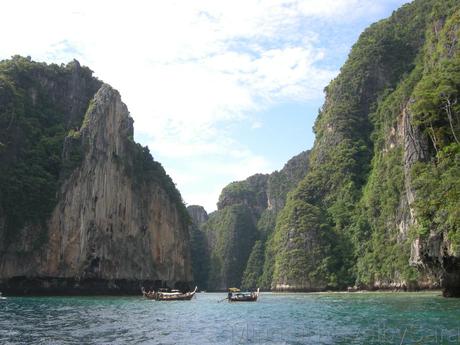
(199, 256)
(254, 268)
(231, 234)
(437, 112)
(144, 170)
(238, 232)
(381, 250)
(34, 121)
(401, 75)
(303, 228)
(438, 188)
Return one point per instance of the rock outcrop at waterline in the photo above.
(117, 222)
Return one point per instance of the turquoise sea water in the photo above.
(323, 318)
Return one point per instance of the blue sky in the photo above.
(219, 90)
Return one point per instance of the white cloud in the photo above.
(257, 124)
(187, 68)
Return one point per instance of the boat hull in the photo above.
(243, 300)
(244, 297)
(161, 296)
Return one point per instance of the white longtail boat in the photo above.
(174, 295)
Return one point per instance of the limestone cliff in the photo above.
(426, 216)
(198, 214)
(117, 221)
(432, 158)
(252, 193)
(281, 182)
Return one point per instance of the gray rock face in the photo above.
(116, 226)
(266, 191)
(415, 150)
(283, 181)
(198, 214)
(102, 227)
(433, 255)
(251, 192)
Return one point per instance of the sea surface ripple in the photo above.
(320, 318)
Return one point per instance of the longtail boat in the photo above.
(174, 295)
(235, 295)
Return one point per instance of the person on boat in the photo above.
(229, 296)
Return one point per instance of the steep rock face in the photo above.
(198, 214)
(426, 219)
(39, 104)
(280, 183)
(432, 162)
(102, 226)
(118, 221)
(251, 192)
(339, 163)
(385, 214)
